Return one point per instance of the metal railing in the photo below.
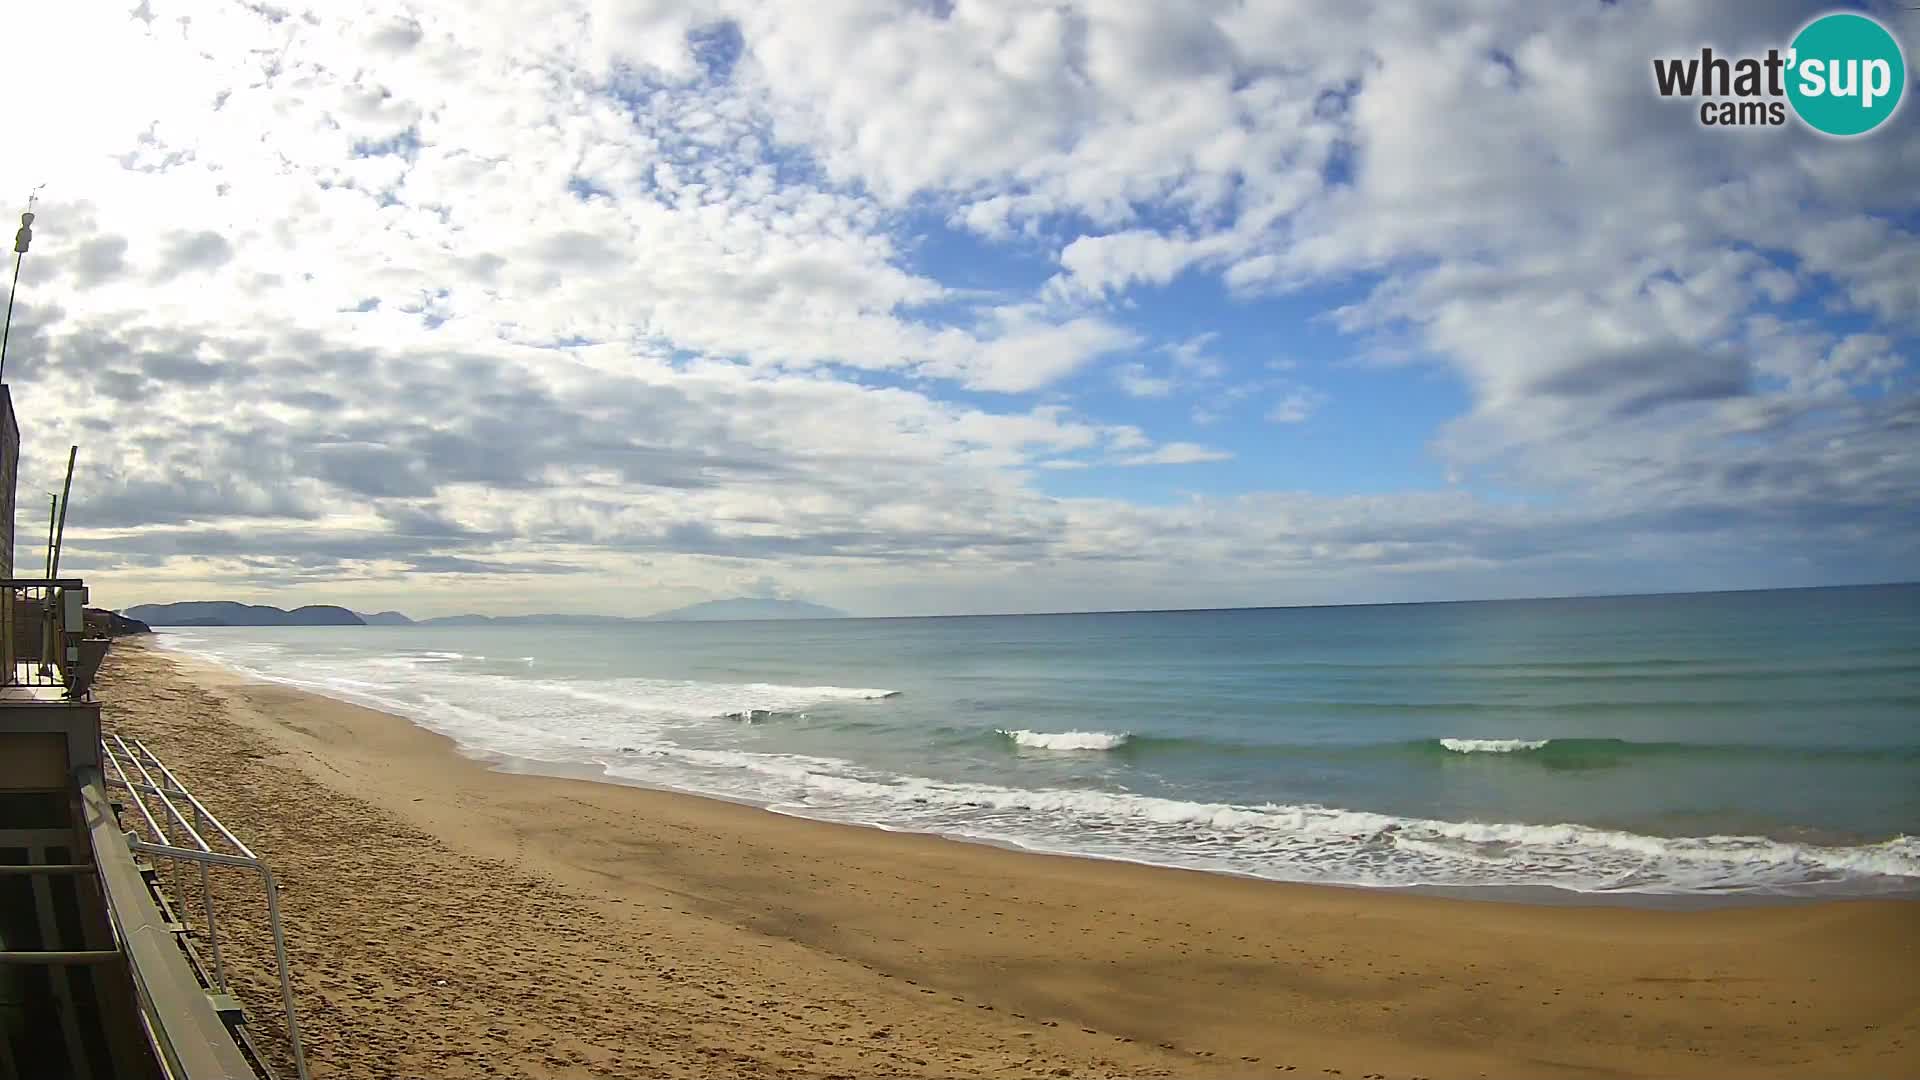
(143, 776)
(42, 622)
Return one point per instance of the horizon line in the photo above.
(1389, 603)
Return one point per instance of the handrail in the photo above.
(194, 800)
(206, 886)
(118, 754)
(164, 801)
(188, 1036)
(137, 804)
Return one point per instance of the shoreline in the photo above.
(1552, 896)
(776, 945)
(1520, 893)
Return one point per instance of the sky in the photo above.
(947, 306)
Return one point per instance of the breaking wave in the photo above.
(1492, 746)
(1068, 740)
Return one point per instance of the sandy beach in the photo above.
(447, 919)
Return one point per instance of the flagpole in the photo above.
(20, 241)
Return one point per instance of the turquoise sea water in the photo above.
(1711, 743)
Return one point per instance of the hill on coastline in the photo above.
(743, 608)
(524, 620)
(737, 609)
(227, 613)
(108, 624)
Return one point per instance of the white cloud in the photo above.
(573, 290)
(1177, 453)
(1098, 265)
(1192, 356)
(1025, 352)
(1136, 380)
(1189, 367)
(1296, 407)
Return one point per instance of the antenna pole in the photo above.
(60, 530)
(53, 512)
(8, 332)
(21, 240)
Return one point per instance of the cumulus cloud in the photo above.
(640, 302)
(1295, 407)
(1177, 453)
(1137, 380)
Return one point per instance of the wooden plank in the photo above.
(39, 838)
(7, 1069)
(58, 959)
(58, 975)
(126, 1033)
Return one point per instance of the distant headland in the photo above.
(228, 613)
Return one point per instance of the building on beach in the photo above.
(104, 974)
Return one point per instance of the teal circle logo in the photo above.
(1846, 74)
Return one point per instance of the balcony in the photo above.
(100, 972)
(45, 653)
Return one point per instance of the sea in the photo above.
(1736, 745)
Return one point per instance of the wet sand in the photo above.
(451, 920)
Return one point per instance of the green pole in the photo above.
(60, 530)
(53, 567)
(53, 511)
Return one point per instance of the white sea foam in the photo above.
(668, 733)
(1317, 843)
(518, 715)
(1492, 746)
(1068, 740)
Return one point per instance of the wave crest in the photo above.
(1311, 842)
(1068, 740)
(1493, 746)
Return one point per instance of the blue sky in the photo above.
(980, 306)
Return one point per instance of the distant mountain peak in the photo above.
(744, 608)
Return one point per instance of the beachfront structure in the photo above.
(100, 974)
